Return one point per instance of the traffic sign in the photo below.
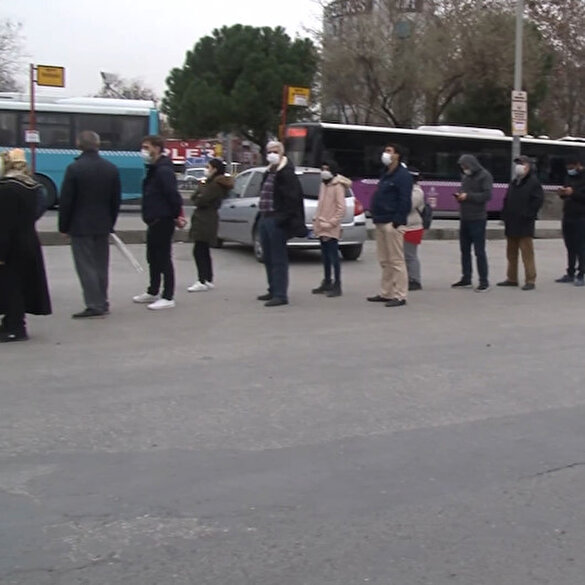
(32, 136)
(50, 76)
(519, 113)
(298, 96)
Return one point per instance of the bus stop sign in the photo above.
(50, 76)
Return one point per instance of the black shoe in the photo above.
(414, 285)
(507, 283)
(378, 299)
(7, 337)
(528, 286)
(483, 288)
(325, 286)
(461, 284)
(565, 278)
(265, 297)
(88, 314)
(396, 303)
(335, 291)
(275, 302)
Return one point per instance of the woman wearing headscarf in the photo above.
(23, 281)
(205, 220)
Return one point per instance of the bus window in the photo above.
(8, 129)
(116, 132)
(54, 128)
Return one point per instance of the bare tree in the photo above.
(115, 86)
(11, 54)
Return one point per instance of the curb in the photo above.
(139, 236)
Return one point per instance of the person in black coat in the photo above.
(522, 202)
(88, 209)
(162, 207)
(23, 282)
(573, 196)
(282, 216)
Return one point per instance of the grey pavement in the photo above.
(329, 442)
(132, 230)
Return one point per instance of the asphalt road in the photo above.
(330, 442)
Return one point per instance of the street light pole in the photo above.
(518, 65)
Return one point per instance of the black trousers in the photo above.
(159, 244)
(574, 236)
(14, 319)
(202, 255)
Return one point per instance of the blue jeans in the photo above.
(472, 233)
(330, 257)
(273, 239)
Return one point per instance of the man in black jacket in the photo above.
(282, 216)
(88, 209)
(573, 195)
(161, 207)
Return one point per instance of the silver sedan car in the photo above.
(239, 214)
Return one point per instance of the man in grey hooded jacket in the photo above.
(475, 192)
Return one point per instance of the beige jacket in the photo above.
(331, 208)
(414, 220)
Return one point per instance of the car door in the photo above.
(229, 216)
(248, 206)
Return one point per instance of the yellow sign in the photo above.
(50, 76)
(298, 96)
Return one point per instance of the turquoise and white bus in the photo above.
(120, 123)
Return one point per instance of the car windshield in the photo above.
(198, 173)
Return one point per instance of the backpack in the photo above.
(426, 215)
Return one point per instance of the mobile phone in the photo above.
(455, 195)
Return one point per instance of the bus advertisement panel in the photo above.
(434, 151)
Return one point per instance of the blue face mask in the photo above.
(572, 172)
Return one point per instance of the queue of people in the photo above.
(91, 196)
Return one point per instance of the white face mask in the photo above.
(326, 175)
(207, 173)
(145, 154)
(273, 158)
(386, 158)
(520, 170)
(1, 166)
(467, 172)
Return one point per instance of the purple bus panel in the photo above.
(438, 193)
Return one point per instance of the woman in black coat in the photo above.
(23, 282)
(523, 200)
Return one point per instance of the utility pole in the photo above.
(518, 71)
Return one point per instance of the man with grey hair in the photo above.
(282, 216)
(88, 209)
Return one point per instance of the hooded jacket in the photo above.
(521, 204)
(207, 200)
(392, 200)
(160, 196)
(331, 208)
(478, 187)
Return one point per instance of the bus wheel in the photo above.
(49, 189)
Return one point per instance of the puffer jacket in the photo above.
(331, 208)
(207, 200)
(414, 220)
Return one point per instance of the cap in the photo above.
(573, 159)
(523, 159)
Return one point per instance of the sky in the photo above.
(141, 39)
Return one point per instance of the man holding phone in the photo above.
(573, 196)
(475, 192)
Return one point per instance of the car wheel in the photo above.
(258, 251)
(351, 252)
(49, 189)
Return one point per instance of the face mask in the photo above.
(326, 175)
(207, 173)
(273, 158)
(572, 172)
(1, 166)
(386, 159)
(145, 154)
(520, 170)
(467, 172)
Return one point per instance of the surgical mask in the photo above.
(146, 157)
(1, 166)
(207, 173)
(326, 175)
(467, 172)
(572, 172)
(273, 158)
(386, 159)
(520, 170)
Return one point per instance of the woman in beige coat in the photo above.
(327, 227)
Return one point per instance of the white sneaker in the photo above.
(209, 285)
(161, 304)
(145, 298)
(198, 287)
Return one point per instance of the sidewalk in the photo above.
(132, 230)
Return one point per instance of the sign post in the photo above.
(520, 114)
(292, 96)
(49, 76)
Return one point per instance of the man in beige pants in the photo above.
(390, 207)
